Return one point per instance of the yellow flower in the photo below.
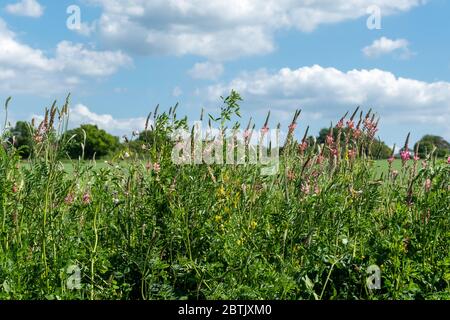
(221, 191)
(253, 224)
(218, 218)
(239, 242)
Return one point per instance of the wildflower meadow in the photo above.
(324, 224)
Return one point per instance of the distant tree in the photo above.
(22, 138)
(380, 150)
(98, 143)
(428, 142)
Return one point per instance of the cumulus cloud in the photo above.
(81, 114)
(385, 45)
(30, 70)
(27, 8)
(330, 92)
(176, 92)
(206, 70)
(222, 29)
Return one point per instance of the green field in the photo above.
(147, 228)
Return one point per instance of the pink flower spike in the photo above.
(416, 157)
(156, 167)
(448, 160)
(405, 155)
(350, 124)
(264, 129)
(390, 160)
(69, 198)
(86, 198)
(427, 185)
(305, 188)
(330, 140)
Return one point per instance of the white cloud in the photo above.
(223, 29)
(28, 8)
(176, 92)
(331, 92)
(206, 70)
(30, 70)
(80, 114)
(385, 46)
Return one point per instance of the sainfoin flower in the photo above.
(357, 133)
(69, 199)
(405, 155)
(156, 167)
(352, 154)
(305, 188)
(303, 146)
(14, 188)
(416, 157)
(86, 198)
(448, 160)
(265, 129)
(330, 140)
(292, 127)
(390, 160)
(427, 185)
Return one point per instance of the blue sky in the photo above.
(319, 56)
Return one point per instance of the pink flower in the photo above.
(156, 167)
(330, 140)
(264, 129)
(246, 134)
(357, 133)
(350, 124)
(405, 155)
(14, 188)
(352, 154)
(427, 185)
(416, 157)
(448, 160)
(292, 127)
(334, 152)
(69, 198)
(316, 189)
(305, 188)
(340, 124)
(291, 175)
(302, 146)
(320, 159)
(390, 160)
(148, 166)
(86, 198)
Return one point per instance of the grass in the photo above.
(380, 167)
(146, 228)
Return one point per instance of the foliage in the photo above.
(22, 138)
(142, 227)
(90, 141)
(429, 142)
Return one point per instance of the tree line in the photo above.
(90, 141)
